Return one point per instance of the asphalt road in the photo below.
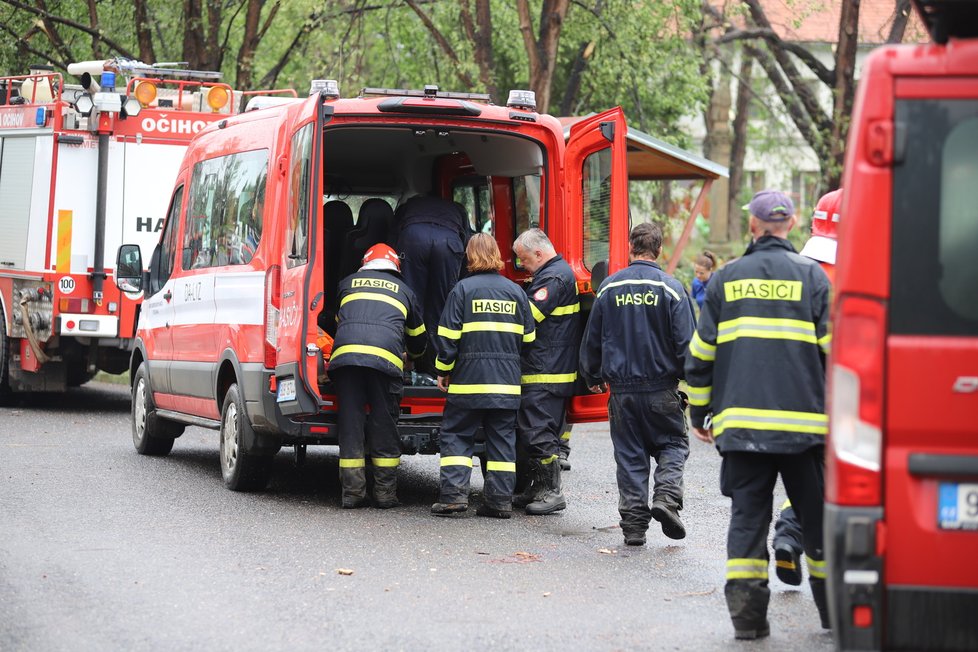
(103, 549)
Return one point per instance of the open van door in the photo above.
(298, 295)
(596, 197)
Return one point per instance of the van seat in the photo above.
(375, 223)
(338, 222)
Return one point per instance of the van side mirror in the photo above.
(129, 268)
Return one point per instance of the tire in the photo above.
(241, 471)
(6, 394)
(151, 435)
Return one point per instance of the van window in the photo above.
(473, 195)
(596, 191)
(299, 175)
(526, 194)
(934, 278)
(169, 239)
(226, 203)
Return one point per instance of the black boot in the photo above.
(551, 500)
(668, 517)
(787, 564)
(385, 487)
(534, 486)
(354, 481)
(747, 603)
(821, 600)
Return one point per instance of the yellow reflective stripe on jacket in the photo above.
(369, 350)
(746, 569)
(701, 349)
(549, 378)
(441, 366)
(375, 296)
(699, 396)
(451, 334)
(414, 331)
(641, 281)
(352, 462)
(386, 461)
(492, 326)
(530, 337)
(567, 310)
(814, 423)
(825, 342)
(508, 467)
(537, 315)
(766, 328)
(815, 568)
(456, 460)
(456, 388)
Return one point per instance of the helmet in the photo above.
(825, 223)
(381, 256)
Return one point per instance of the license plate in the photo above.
(957, 506)
(286, 390)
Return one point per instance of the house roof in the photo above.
(816, 21)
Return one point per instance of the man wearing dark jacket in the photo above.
(635, 344)
(377, 312)
(757, 368)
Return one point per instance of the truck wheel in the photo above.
(6, 394)
(151, 434)
(241, 471)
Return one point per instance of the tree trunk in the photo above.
(193, 34)
(249, 43)
(143, 34)
(900, 16)
(542, 51)
(738, 149)
(93, 21)
(843, 93)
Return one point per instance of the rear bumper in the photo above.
(929, 618)
(855, 576)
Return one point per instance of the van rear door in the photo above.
(596, 196)
(931, 420)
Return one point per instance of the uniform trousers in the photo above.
(359, 389)
(538, 422)
(457, 443)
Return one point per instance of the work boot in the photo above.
(747, 603)
(494, 512)
(821, 601)
(354, 481)
(551, 500)
(787, 564)
(447, 509)
(668, 517)
(534, 486)
(565, 464)
(634, 537)
(385, 487)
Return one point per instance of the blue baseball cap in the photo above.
(771, 206)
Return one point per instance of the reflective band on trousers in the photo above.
(766, 328)
(816, 569)
(755, 419)
(747, 569)
(549, 378)
(369, 350)
(566, 436)
(509, 467)
(549, 460)
(455, 388)
(386, 461)
(642, 281)
(351, 462)
(702, 350)
(456, 460)
(375, 296)
(699, 396)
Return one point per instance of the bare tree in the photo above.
(541, 48)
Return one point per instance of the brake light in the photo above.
(273, 302)
(856, 403)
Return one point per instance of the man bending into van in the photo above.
(377, 315)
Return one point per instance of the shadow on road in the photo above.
(89, 398)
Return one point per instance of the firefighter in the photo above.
(485, 325)
(788, 543)
(634, 343)
(757, 369)
(432, 235)
(549, 369)
(378, 314)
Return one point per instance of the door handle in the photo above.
(168, 296)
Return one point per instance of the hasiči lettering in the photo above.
(757, 288)
(648, 298)
(375, 283)
(496, 307)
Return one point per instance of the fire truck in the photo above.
(83, 168)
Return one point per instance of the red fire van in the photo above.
(902, 459)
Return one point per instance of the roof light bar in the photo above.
(403, 92)
(328, 87)
(521, 99)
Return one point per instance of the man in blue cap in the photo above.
(756, 368)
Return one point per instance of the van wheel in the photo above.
(6, 394)
(241, 471)
(151, 434)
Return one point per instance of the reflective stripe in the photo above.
(509, 467)
(766, 328)
(785, 563)
(369, 350)
(451, 334)
(549, 460)
(746, 569)
(375, 296)
(386, 461)
(567, 310)
(494, 326)
(414, 331)
(566, 436)
(813, 423)
(441, 366)
(352, 462)
(530, 337)
(825, 342)
(815, 568)
(537, 315)
(456, 460)
(455, 388)
(786, 504)
(699, 396)
(642, 281)
(549, 378)
(701, 349)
